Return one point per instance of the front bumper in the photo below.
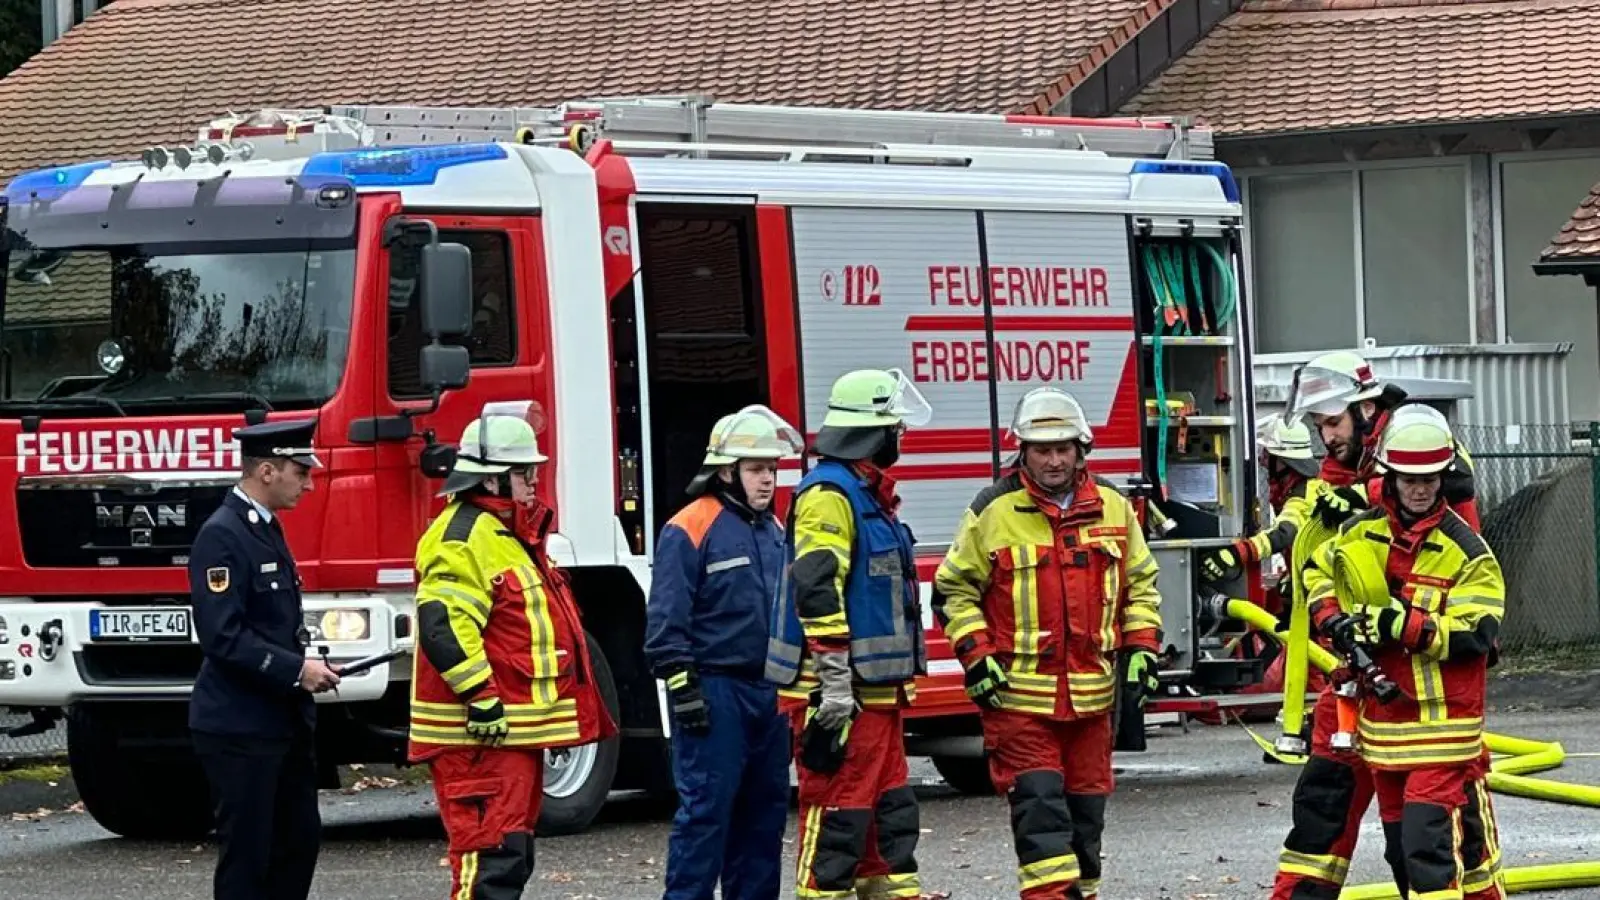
(48, 656)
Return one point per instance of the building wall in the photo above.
(1398, 252)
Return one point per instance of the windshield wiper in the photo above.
(71, 399)
(226, 395)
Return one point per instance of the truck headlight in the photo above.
(338, 624)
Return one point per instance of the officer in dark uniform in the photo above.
(251, 713)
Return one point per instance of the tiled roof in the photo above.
(148, 71)
(1311, 65)
(79, 291)
(1579, 239)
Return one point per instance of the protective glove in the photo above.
(486, 720)
(984, 681)
(1335, 506)
(1142, 672)
(838, 698)
(1396, 623)
(1342, 629)
(1221, 565)
(689, 711)
(823, 750)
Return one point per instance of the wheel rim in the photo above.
(567, 769)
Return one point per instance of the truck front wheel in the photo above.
(577, 780)
(966, 774)
(143, 794)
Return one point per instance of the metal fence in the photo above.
(1536, 487)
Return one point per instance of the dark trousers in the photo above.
(733, 785)
(264, 793)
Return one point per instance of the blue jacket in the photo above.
(245, 591)
(881, 603)
(716, 569)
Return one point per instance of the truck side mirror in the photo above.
(445, 276)
(445, 367)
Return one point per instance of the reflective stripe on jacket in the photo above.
(1053, 593)
(852, 584)
(493, 621)
(1455, 580)
(711, 586)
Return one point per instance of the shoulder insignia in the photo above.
(217, 579)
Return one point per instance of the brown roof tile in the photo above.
(1579, 239)
(1306, 65)
(148, 71)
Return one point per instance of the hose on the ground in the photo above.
(1507, 775)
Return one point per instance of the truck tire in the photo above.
(968, 775)
(138, 795)
(577, 780)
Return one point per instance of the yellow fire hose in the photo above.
(1507, 775)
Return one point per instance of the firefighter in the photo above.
(716, 569)
(1047, 581)
(847, 644)
(504, 671)
(1349, 407)
(1291, 466)
(1412, 580)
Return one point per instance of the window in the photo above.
(1398, 273)
(493, 341)
(1537, 196)
(1303, 239)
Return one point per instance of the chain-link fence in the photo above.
(37, 747)
(1536, 487)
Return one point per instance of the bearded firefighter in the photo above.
(1413, 581)
(1047, 581)
(847, 645)
(1350, 408)
(504, 671)
(717, 566)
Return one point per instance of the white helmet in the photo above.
(1288, 441)
(754, 432)
(1049, 415)
(1327, 385)
(1417, 441)
(500, 438)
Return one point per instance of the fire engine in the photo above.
(635, 268)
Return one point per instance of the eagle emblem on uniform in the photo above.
(217, 579)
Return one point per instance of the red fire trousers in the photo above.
(1332, 796)
(1057, 777)
(859, 826)
(1439, 831)
(489, 802)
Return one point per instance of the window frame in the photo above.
(1497, 214)
(1354, 170)
(507, 244)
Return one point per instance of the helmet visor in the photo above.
(1319, 391)
(907, 403)
(756, 432)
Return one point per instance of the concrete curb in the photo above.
(1545, 690)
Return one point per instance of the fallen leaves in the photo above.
(370, 782)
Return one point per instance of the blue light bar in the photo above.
(398, 166)
(48, 184)
(1217, 170)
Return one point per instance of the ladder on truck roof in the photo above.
(698, 126)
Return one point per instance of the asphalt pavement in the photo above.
(1197, 817)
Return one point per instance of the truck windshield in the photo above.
(143, 329)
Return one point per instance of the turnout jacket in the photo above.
(711, 587)
(494, 619)
(1051, 592)
(1454, 595)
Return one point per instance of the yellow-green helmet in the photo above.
(1327, 385)
(754, 432)
(874, 398)
(500, 438)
